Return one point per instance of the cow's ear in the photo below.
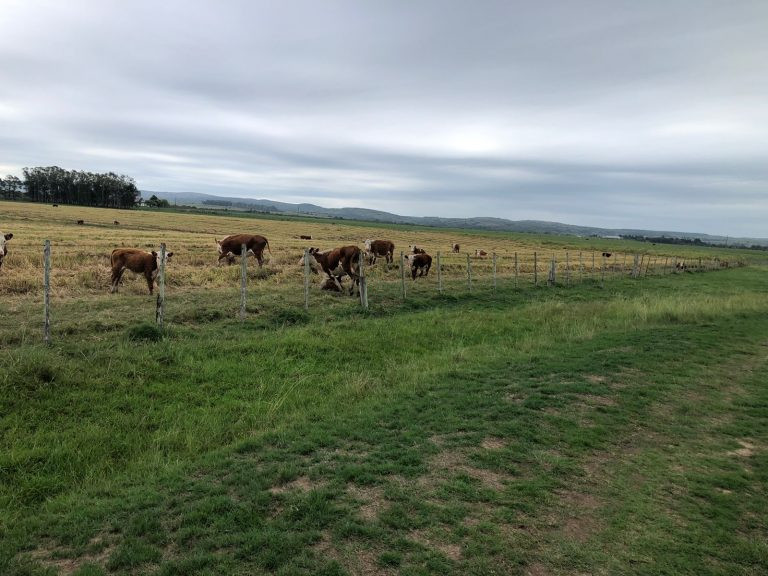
(8, 236)
(169, 254)
(154, 254)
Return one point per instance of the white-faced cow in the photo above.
(345, 260)
(455, 248)
(420, 264)
(376, 248)
(137, 261)
(231, 246)
(413, 249)
(3, 248)
(481, 253)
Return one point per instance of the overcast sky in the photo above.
(646, 114)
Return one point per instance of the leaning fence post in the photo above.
(47, 292)
(469, 273)
(243, 279)
(363, 287)
(494, 271)
(439, 275)
(160, 309)
(402, 272)
(535, 269)
(635, 266)
(581, 267)
(567, 269)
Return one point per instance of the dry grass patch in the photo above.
(53, 557)
(302, 483)
(371, 500)
(450, 550)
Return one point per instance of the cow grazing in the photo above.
(116, 223)
(455, 248)
(376, 248)
(81, 222)
(420, 264)
(137, 261)
(3, 246)
(413, 249)
(305, 237)
(481, 253)
(346, 258)
(230, 246)
(55, 205)
(607, 254)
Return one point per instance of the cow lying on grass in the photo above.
(138, 261)
(3, 248)
(347, 258)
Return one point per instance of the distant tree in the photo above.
(155, 202)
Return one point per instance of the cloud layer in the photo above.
(617, 114)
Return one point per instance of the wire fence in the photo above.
(83, 270)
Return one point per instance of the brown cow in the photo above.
(376, 248)
(413, 249)
(305, 237)
(607, 254)
(137, 261)
(116, 223)
(481, 253)
(347, 258)
(230, 246)
(455, 248)
(3, 248)
(81, 222)
(419, 263)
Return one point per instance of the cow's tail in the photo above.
(267, 241)
(112, 257)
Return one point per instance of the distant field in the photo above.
(551, 431)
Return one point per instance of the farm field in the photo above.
(565, 430)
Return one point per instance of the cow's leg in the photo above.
(117, 274)
(336, 280)
(222, 256)
(150, 282)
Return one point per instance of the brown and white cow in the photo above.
(3, 247)
(345, 259)
(455, 248)
(231, 246)
(137, 261)
(376, 248)
(481, 253)
(420, 264)
(413, 249)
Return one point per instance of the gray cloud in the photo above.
(612, 113)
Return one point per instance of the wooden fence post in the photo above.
(306, 278)
(363, 287)
(567, 269)
(160, 309)
(494, 271)
(402, 272)
(47, 292)
(551, 276)
(624, 265)
(243, 279)
(535, 269)
(439, 275)
(593, 266)
(602, 274)
(517, 269)
(581, 268)
(469, 273)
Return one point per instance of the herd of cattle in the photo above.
(336, 263)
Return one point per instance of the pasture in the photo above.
(563, 430)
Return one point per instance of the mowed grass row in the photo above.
(80, 254)
(555, 432)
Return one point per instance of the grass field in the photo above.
(566, 430)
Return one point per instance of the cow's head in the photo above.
(218, 246)
(3, 239)
(368, 245)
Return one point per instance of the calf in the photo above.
(81, 222)
(481, 253)
(377, 248)
(419, 263)
(455, 248)
(231, 246)
(3, 247)
(116, 223)
(137, 261)
(413, 249)
(347, 258)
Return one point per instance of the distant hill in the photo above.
(478, 223)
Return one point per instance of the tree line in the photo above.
(58, 186)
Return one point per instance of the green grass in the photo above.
(551, 431)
